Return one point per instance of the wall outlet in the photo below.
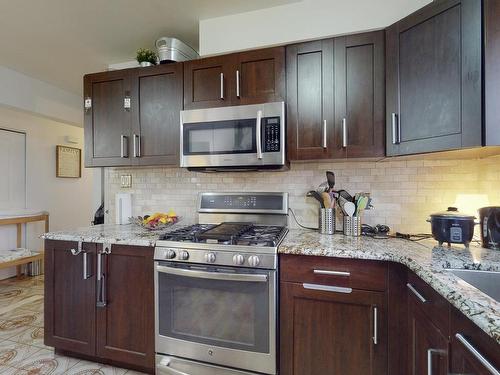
(126, 181)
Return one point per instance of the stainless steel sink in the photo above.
(486, 281)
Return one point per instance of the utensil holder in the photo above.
(327, 220)
(352, 226)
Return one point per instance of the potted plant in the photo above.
(146, 57)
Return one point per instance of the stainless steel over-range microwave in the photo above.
(247, 136)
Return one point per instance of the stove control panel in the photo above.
(272, 203)
(222, 258)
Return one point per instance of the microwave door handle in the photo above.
(259, 278)
(258, 134)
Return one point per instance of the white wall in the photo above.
(69, 201)
(305, 20)
(32, 95)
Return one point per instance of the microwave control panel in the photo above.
(272, 134)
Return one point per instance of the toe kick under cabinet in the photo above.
(107, 318)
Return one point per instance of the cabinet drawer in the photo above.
(429, 301)
(348, 273)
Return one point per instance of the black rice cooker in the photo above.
(452, 226)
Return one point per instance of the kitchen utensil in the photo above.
(489, 219)
(346, 195)
(317, 196)
(327, 201)
(326, 221)
(349, 208)
(330, 177)
(322, 187)
(361, 204)
(452, 227)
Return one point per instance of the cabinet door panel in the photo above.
(430, 77)
(310, 102)
(107, 121)
(434, 79)
(69, 298)
(261, 75)
(202, 82)
(157, 121)
(125, 326)
(360, 92)
(331, 333)
(425, 340)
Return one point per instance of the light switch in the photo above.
(126, 181)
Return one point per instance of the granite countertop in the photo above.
(424, 258)
(428, 261)
(127, 234)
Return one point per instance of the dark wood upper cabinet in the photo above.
(434, 79)
(360, 93)
(208, 82)
(69, 310)
(311, 132)
(157, 98)
(492, 71)
(125, 324)
(107, 120)
(260, 76)
(240, 78)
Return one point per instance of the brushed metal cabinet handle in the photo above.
(86, 272)
(396, 129)
(416, 293)
(430, 354)
(238, 84)
(344, 132)
(324, 134)
(487, 364)
(137, 145)
(258, 134)
(326, 288)
(123, 146)
(375, 325)
(222, 86)
(332, 273)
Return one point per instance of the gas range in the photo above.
(212, 276)
(251, 227)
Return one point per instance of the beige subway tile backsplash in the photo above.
(404, 192)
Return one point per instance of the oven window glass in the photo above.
(222, 137)
(222, 313)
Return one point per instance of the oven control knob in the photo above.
(183, 255)
(238, 259)
(210, 257)
(169, 254)
(254, 261)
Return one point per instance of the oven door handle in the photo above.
(212, 275)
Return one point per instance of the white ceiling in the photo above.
(58, 41)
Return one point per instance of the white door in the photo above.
(12, 170)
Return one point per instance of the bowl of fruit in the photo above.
(156, 221)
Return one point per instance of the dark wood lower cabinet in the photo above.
(428, 346)
(109, 321)
(125, 322)
(69, 317)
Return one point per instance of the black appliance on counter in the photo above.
(490, 226)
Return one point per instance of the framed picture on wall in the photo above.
(68, 162)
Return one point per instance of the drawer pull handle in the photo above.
(477, 354)
(375, 325)
(326, 288)
(332, 273)
(430, 354)
(416, 293)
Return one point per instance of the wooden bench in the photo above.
(19, 221)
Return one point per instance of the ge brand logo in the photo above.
(210, 352)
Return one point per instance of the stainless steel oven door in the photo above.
(219, 315)
(236, 136)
